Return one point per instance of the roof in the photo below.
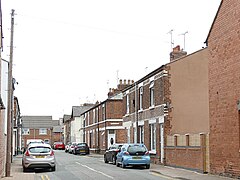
(78, 110)
(36, 121)
(206, 42)
(55, 123)
(66, 117)
(57, 129)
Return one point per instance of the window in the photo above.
(151, 87)
(42, 131)
(87, 119)
(94, 117)
(141, 129)
(25, 131)
(127, 105)
(140, 98)
(103, 112)
(153, 136)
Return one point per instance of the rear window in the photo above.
(58, 143)
(39, 150)
(82, 144)
(136, 148)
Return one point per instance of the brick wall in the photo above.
(34, 134)
(2, 145)
(224, 90)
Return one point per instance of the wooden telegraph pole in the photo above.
(9, 105)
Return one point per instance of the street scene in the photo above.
(91, 90)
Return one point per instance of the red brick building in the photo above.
(167, 110)
(104, 121)
(224, 91)
(36, 127)
(143, 111)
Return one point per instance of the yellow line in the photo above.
(42, 177)
(47, 177)
(160, 175)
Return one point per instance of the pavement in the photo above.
(164, 172)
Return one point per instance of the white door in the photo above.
(111, 137)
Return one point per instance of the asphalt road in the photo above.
(87, 167)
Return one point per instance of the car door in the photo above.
(120, 154)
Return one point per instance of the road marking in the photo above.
(162, 176)
(45, 176)
(95, 170)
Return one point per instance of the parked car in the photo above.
(111, 153)
(38, 156)
(81, 148)
(73, 144)
(58, 145)
(133, 155)
(67, 147)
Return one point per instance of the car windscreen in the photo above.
(39, 149)
(132, 149)
(81, 145)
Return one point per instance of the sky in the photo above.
(67, 53)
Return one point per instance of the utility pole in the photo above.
(9, 105)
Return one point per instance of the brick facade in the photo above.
(102, 120)
(224, 90)
(2, 145)
(142, 120)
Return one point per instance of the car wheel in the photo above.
(113, 160)
(24, 169)
(117, 164)
(123, 165)
(147, 166)
(105, 159)
(54, 168)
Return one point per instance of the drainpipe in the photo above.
(136, 112)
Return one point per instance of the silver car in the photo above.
(39, 156)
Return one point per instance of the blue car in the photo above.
(133, 155)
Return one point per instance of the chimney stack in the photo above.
(177, 53)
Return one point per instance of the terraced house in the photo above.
(103, 121)
(167, 110)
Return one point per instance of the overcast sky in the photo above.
(70, 52)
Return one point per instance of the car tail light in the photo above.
(27, 153)
(126, 153)
(52, 153)
(147, 153)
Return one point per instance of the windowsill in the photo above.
(140, 110)
(126, 115)
(152, 107)
(152, 152)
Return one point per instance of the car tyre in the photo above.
(123, 165)
(147, 166)
(54, 168)
(24, 169)
(117, 164)
(113, 160)
(105, 159)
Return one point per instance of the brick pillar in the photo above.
(203, 151)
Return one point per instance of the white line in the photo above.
(95, 170)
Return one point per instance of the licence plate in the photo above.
(137, 157)
(40, 156)
(82, 150)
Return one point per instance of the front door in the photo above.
(111, 137)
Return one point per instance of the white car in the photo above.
(71, 147)
(38, 155)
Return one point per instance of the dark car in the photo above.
(81, 148)
(58, 145)
(111, 153)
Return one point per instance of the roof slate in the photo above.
(37, 121)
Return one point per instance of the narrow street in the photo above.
(75, 167)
